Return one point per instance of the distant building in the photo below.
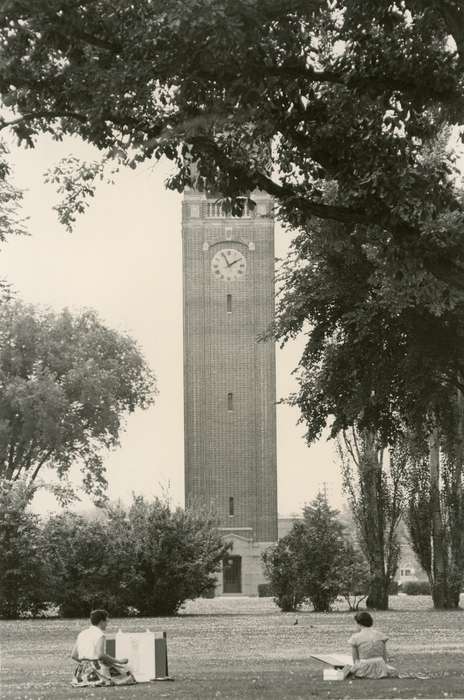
(409, 568)
(229, 378)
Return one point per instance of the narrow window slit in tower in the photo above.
(229, 303)
(231, 505)
(230, 401)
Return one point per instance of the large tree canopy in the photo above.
(349, 93)
(343, 110)
(66, 384)
(383, 349)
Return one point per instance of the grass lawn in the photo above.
(246, 648)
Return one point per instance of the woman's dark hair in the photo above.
(364, 618)
(97, 616)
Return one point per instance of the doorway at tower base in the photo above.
(242, 570)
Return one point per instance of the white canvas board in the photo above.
(139, 648)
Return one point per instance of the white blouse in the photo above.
(87, 642)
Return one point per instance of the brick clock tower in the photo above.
(229, 378)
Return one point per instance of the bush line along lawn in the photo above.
(246, 648)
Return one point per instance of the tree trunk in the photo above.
(455, 505)
(376, 502)
(439, 549)
(378, 593)
(453, 595)
(371, 476)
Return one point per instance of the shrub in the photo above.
(175, 554)
(310, 562)
(88, 565)
(393, 588)
(264, 590)
(416, 588)
(146, 559)
(24, 568)
(280, 567)
(209, 592)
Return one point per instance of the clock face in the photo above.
(228, 264)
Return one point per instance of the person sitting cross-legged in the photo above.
(94, 667)
(369, 651)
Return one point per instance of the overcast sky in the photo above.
(124, 260)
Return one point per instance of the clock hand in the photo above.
(229, 264)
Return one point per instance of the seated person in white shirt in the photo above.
(94, 667)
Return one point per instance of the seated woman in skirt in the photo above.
(369, 651)
(94, 667)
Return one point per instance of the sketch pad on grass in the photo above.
(334, 660)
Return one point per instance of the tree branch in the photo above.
(41, 463)
(259, 180)
(42, 115)
(91, 40)
(350, 449)
(11, 452)
(318, 209)
(377, 83)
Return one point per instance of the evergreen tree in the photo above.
(315, 562)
